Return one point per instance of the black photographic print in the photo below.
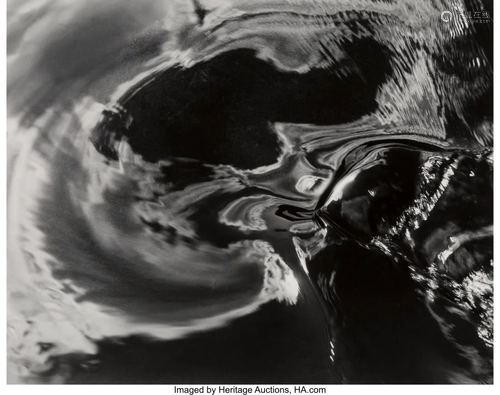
(249, 196)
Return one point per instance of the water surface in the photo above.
(250, 192)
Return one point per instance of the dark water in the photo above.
(257, 192)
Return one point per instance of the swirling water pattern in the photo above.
(308, 182)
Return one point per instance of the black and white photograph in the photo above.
(249, 196)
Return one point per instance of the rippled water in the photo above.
(249, 191)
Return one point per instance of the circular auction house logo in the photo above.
(446, 16)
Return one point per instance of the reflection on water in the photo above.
(298, 184)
